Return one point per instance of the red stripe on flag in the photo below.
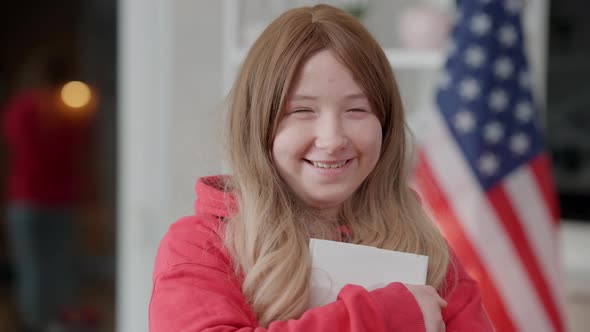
(541, 168)
(505, 210)
(450, 225)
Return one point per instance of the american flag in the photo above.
(484, 174)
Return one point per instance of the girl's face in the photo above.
(328, 139)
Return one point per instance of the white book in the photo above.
(336, 264)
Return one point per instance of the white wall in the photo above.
(170, 66)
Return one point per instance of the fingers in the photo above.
(441, 302)
(431, 304)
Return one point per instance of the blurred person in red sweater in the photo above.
(47, 142)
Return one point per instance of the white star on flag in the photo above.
(524, 111)
(451, 47)
(524, 79)
(480, 24)
(488, 164)
(493, 132)
(464, 121)
(513, 6)
(469, 89)
(498, 100)
(444, 79)
(503, 68)
(475, 56)
(459, 15)
(507, 36)
(519, 143)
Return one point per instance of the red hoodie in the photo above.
(195, 289)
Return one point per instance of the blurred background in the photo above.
(58, 84)
(136, 90)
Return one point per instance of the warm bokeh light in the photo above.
(76, 94)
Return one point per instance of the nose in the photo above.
(330, 134)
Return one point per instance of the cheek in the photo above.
(287, 146)
(368, 137)
(373, 148)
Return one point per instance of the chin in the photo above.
(327, 202)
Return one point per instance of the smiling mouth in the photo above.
(328, 165)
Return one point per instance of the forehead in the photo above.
(323, 73)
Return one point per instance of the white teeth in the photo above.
(322, 165)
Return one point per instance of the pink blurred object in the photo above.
(424, 27)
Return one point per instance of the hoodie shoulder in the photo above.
(190, 237)
(215, 197)
(187, 239)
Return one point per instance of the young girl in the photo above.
(317, 144)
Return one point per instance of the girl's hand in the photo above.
(431, 304)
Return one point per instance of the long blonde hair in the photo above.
(269, 234)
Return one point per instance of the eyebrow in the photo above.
(358, 95)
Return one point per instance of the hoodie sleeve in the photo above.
(465, 311)
(194, 290)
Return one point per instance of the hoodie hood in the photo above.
(213, 197)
